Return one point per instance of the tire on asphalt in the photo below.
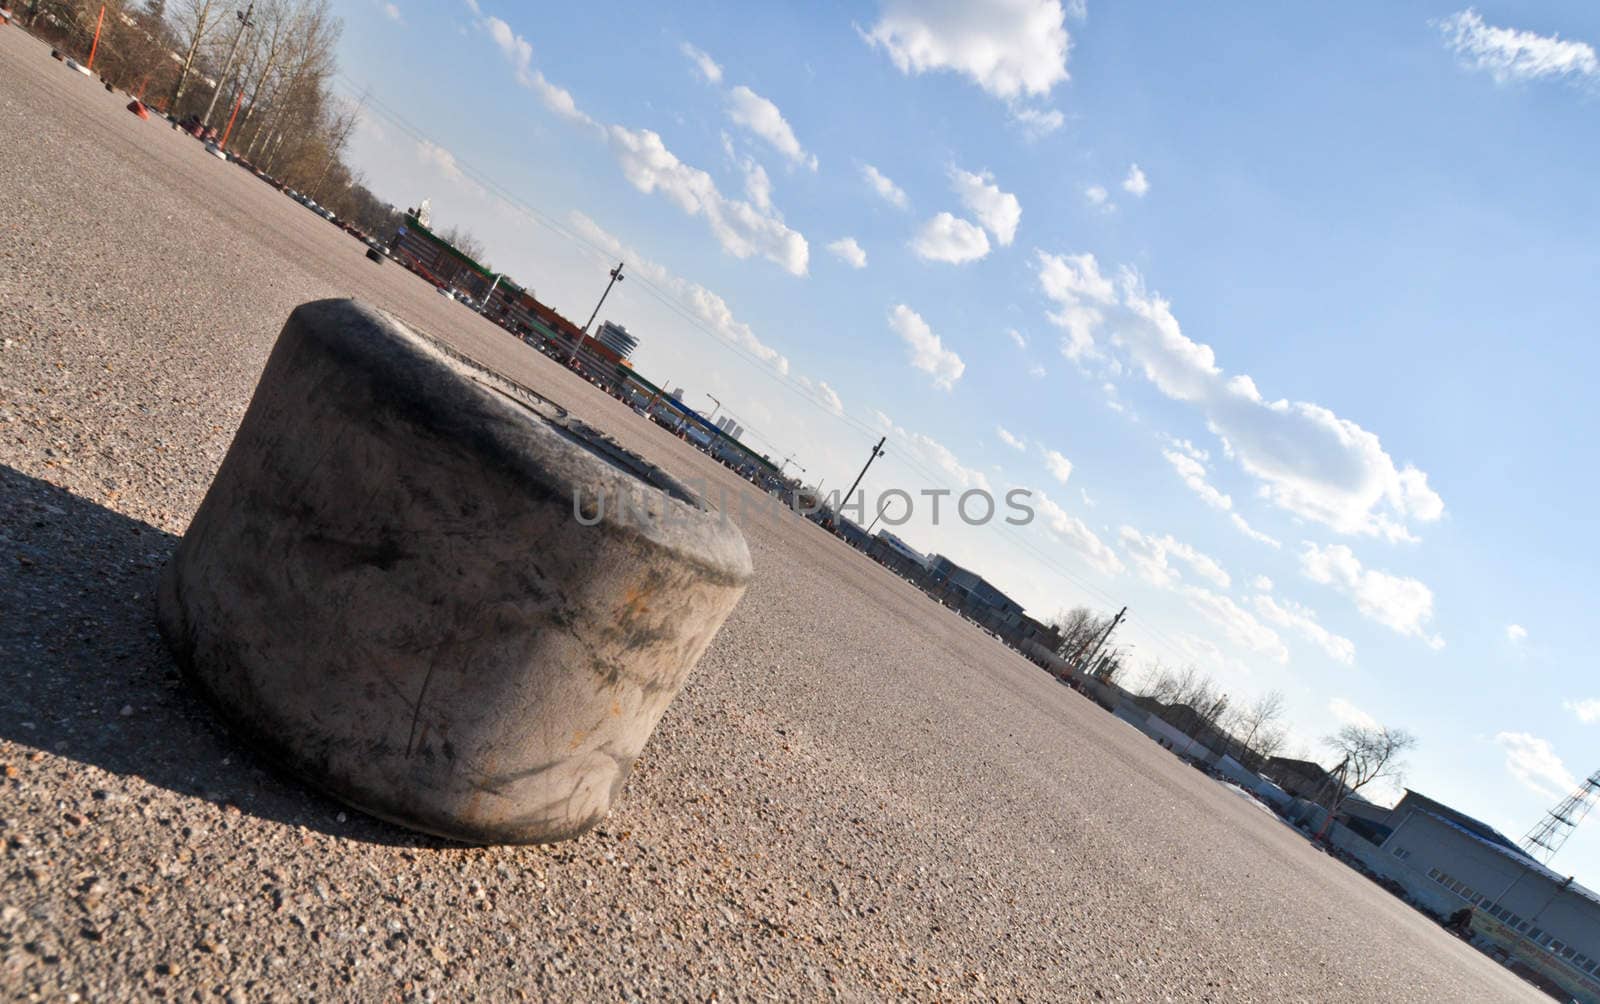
(373, 254)
(387, 588)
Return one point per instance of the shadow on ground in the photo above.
(86, 676)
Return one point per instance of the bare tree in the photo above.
(1079, 627)
(1373, 752)
(1254, 725)
(466, 242)
(195, 22)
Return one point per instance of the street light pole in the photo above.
(583, 336)
(877, 451)
(714, 411)
(228, 64)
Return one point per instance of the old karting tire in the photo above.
(390, 588)
(373, 254)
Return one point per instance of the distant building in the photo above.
(970, 592)
(1534, 920)
(616, 338)
(898, 556)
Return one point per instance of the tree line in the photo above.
(277, 90)
(1252, 731)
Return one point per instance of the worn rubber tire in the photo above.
(387, 590)
(373, 254)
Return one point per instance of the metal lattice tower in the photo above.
(1545, 839)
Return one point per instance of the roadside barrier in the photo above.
(386, 590)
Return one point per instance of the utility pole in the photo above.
(1103, 636)
(227, 64)
(714, 411)
(583, 336)
(877, 451)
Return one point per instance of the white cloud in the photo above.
(1016, 338)
(520, 53)
(1086, 499)
(1401, 604)
(1302, 619)
(848, 251)
(711, 310)
(441, 160)
(393, 13)
(928, 353)
(949, 239)
(743, 229)
(1509, 54)
(1261, 584)
(759, 115)
(1245, 528)
(1135, 184)
(946, 460)
(822, 394)
(1193, 473)
(1070, 530)
(1080, 293)
(1060, 467)
(1347, 713)
(1308, 460)
(703, 64)
(998, 211)
(1587, 710)
(1011, 440)
(1150, 556)
(1237, 623)
(1036, 371)
(887, 190)
(1010, 48)
(1036, 123)
(1534, 763)
(1097, 195)
(1516, 633)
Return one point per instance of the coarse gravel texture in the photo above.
(857, 796)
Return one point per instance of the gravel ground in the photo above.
(857, 796)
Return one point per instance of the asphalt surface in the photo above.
(858, 795)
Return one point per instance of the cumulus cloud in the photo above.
(393, 13)
(709, 308)
(1009, 438)
(1303, 620)
(440, 160)
(848, 251)
(1016, 338)
(998, 211)
(1150, 557)
(1587, 710)
(1192, 470)
(887, 190)
(1059, 466)
(1071, 531)
(1010, 48)
(1510, 54)
(1516, 633)
(520, 54)
(703, 64)
(759, 115)
(1135, 184)
(1261, 584)
(928, 353)
(950, 239)
(1403, 605)
(1238, 624)
(742, 228)
(1308, 461)
(945, 459)
(1080, 294)
(1534, 763)
(1096, 195)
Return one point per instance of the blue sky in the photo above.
(1284, 315)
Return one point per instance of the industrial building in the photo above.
(616, 338)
